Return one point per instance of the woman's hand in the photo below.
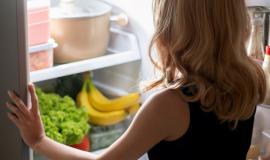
(27, 118)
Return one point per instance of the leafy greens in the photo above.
(62, 120)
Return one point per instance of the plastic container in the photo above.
(103, 136)
(38, 21)
(105, 139)
(41, 56)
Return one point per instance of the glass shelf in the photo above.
(123, 49)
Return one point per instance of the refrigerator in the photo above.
(117, 73)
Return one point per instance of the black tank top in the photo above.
(206, 139)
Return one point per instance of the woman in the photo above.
(211, 89)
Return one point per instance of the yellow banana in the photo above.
(96, 117)
(101, 103)
(133, 109)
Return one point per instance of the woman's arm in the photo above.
(150, 125)
(57, 151)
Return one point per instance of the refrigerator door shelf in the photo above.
(123, 48)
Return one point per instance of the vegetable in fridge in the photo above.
(62, 120)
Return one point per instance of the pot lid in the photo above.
(79, 9)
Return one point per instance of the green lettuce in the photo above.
(62, 120)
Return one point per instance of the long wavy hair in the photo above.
(202, 43)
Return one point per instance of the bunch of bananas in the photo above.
(103, 111)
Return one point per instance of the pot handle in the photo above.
(120, 19)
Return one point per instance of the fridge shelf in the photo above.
(123, 48)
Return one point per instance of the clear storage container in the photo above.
(41, 56)
(38, 21)
(102, 137)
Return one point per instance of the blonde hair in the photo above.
(202, 43)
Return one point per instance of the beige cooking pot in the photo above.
(81, 28)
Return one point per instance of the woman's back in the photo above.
(206, 139)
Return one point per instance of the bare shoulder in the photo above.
(167, 99)
(168, 95)
(168, 105)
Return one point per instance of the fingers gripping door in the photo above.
(13, 74)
